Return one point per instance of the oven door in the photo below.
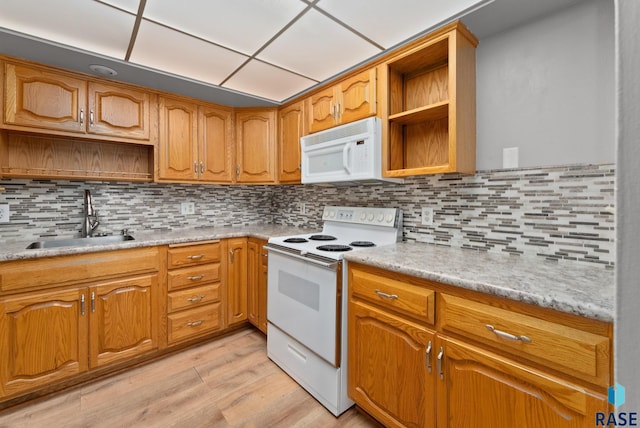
(303, 297)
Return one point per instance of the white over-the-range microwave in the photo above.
(346, 154)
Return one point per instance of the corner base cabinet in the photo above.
(411, 365)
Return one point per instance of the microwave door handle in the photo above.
(345, 158)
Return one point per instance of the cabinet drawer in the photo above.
(194, 254)
(190, 277)
(194, 322)
(555, 345)
(196, 296)
(412, 300)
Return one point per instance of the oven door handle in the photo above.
(328, 265)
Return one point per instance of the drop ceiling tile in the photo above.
(128, 5)
(267, 81)
(317, 47)
(244, 25)
(86, 25)
(389, 22)
(177, 53)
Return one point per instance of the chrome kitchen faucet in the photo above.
(91, 222)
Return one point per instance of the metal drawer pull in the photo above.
(195, 323)
(428, 353)
(439, 362)
(198, 257)
(506, 335)
(195, 299)
(386, 296)
(195, 278)
(81, 116)
(93, 302)
(82, 304)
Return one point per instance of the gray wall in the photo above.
(547, 87)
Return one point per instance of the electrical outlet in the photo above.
(187, 208)
(5, 213)
(427, 216)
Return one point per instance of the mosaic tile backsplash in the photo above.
(562, 213)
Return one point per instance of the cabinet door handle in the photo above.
(197, 257)
(195, 299)
(386, 296)
(201, 168)
(195, 323)
(93, 302)
(81, 116)
(232, 253)
(195, 278)
(237, 170)
(91, 117)
(509, 336)
(195, 168)
(428, 355)
(82, 304)
(338, 112)
(439, 363)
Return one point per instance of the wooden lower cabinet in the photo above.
(389, 375)
(237, 281)
(484, 390)
(51, 336)
(409, 369)
(257, 283)
(43, 339)
(123, 319)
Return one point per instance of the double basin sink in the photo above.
(80, 242)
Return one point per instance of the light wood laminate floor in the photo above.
(229, 382)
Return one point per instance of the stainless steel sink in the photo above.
(80, 242)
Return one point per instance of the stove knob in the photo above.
(370, 217)
(363, 216)
(332, 214)
(380, 217)
(389, 218)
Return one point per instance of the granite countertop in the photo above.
(565, 286)
(18, 251)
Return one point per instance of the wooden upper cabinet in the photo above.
(118, 111)
(178, 148)
(256, 146)
(36, 98)
(215, 144)
(352, 99)
(291, 126)
(39, 99)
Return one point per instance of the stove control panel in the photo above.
(387, 217)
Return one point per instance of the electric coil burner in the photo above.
(334, 248)
(307, 297)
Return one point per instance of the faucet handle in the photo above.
(125, 231)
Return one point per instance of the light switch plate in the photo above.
(5, 213)
(510, 157)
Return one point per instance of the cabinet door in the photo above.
(389, 360)
(484, 390)
(178, 148)
(320, 110)
(124, 319)
(119, 112)
(43, 339)
(291, 122)
(262, 289)
(253, 273)
(237, 281)
(42, 99)
(256, 146)
(357, 97)
(215, 144)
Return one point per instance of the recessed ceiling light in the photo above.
(103, 70)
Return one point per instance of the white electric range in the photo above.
(307, 297)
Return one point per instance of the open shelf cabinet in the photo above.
(430, 125)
